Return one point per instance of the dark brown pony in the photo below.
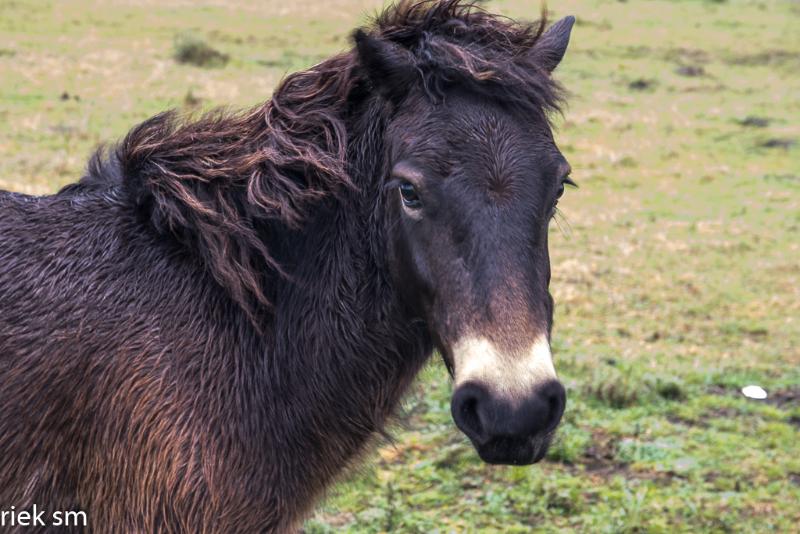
(203, 332)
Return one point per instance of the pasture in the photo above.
(676, 264)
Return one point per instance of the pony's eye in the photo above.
(566, 181)
(410, 196)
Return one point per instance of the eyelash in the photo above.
(566, 181)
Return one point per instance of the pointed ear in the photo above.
(388, 67)
(549, 49)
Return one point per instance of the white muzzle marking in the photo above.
(478, 359)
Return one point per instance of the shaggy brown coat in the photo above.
(201, 334)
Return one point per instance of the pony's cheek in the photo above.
(404, 267)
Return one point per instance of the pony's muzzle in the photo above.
(508, 402)
(509, 431)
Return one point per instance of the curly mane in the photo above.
(221, 185)
(455, 42)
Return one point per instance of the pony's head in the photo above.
(473, 179)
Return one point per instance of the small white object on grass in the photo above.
(754, 392)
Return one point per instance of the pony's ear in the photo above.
(549, 49)
(388, 67)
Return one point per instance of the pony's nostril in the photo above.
(469, 414)
(465, 408)
(556, 402)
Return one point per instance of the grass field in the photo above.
(676, 265)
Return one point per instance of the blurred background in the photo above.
(676, 264)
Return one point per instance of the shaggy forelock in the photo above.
(456, 42)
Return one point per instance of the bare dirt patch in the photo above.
(753, 121)
(692, 71)
(785, 397)
(778, 142)
(766, 58)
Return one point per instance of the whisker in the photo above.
(563, 223)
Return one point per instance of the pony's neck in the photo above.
(347, 349)
(341, 316)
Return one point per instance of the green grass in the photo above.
(675, 266)
(191, 50)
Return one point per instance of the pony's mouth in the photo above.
(513, 451)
